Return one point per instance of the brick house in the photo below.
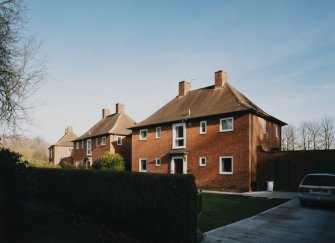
(212, 132)
(110, 134)
(63, 148)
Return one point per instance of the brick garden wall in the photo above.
(287, 168)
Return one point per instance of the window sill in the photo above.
(226, 173)
(230, 130)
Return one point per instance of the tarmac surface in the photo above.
(288, 222)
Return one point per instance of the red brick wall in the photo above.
(124, 150)
(259, 140)
(212, 145)
(111, 146)
(79, 154)
(300, 163)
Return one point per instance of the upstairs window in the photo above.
(179, 135)
(96, 142)
(103, 141)
(77, 145)
(144, 134)
(82, 144)
(158, 162)
(227, 124)
(276, 131)
(88, 147)
(264, 126)
(158, 132)
(226, 165)
(119, 141)
(203, 127)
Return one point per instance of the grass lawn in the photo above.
(222, 209)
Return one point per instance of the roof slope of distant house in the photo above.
(208, 101)
(117, 123)
(66, 140)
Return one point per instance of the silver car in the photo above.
(317, 188)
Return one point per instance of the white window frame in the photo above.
(89, 147)
(140, 163)
(174, 135)
(264, 126)
(158, 132)
(232, 165)
(200, 161)
(82, 144)
(232, 124)
(276, 131)
(96, 142)
(146, 134)
(103, 140)
(158, 162)
(205, 126)
(119, 141)
(77, 145)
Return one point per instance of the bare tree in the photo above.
(327, 132)
(309, 135)
(289, 138)
(304, 135)
(20, 70)
(314, 134)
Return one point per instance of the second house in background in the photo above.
(110, 134)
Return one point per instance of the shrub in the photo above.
(160, 207)
(109, 161)
(66, 165)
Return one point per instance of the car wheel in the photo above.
(302, 203)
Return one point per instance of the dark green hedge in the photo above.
(16, 187)
(160, 207)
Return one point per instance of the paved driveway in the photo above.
(288, 222)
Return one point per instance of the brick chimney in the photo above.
(68, 129)
(105, 112)
(119, 108)
(220, 78)
(184, 87)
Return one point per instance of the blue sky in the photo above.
(280, 54)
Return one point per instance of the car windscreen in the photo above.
(319, 180)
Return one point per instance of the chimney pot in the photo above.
(119, 108)
(184, 88)
(105, 112)
(220, 78)
(68, 129)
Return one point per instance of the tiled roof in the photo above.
(205, 102)
(117, 123)
(66, 140)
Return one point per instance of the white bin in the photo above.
(270, 186)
